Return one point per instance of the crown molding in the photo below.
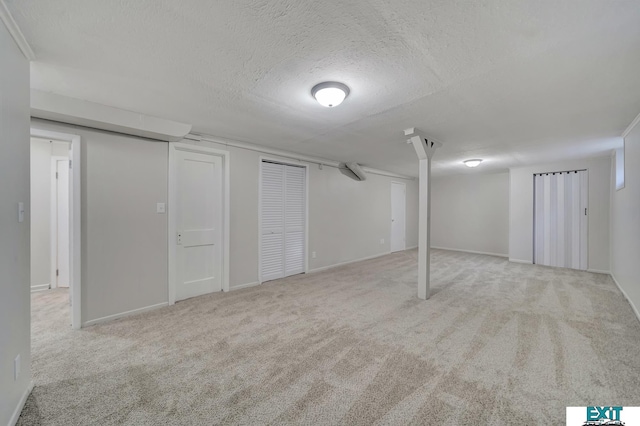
(631, 126)
(15, 32)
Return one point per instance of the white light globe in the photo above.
(330, 94)
(330, 97)
(472, 163)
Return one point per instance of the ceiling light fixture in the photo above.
(472, 163)
(330, 93)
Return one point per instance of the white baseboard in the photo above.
(124, 314)
(16, 413)
(246, 285)
(335, 265)
(411, 248)
(471, 251)
(599, 271)
(40, 287)
(526, 262)
(626, 296)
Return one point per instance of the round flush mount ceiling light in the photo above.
(472, 163)
(330, 93)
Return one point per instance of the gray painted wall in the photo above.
(14, 236)
(521, 209)
(124, 240)
(347, 219)
(471, 212)
(625, 222)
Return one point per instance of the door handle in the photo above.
(179, 239)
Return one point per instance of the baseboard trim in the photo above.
(335, 265)
(245, 285)
(471, 251)
(40, 287)
(599, 271)
(124, 314)
(526, 262)
(23, 400)
(626, 296)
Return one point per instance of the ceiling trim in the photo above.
(15, 32)
(288, 155)
(631, 126)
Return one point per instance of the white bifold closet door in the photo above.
(560, 219)
(283, 220)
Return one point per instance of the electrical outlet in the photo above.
(313, 254)
(160, 208)
(381, 240)
(16, 368)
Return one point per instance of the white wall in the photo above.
(521, 209)
(471, 213)
(41, 152)
(124, 240)
(347, 219)
(14, 236)
(625, 223)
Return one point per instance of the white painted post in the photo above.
(424, 149)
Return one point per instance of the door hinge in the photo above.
(56, 175)
(585, 211)
(57, 272)
(69, 163)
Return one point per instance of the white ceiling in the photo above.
(512, 82)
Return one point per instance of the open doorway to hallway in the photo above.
(50, 217)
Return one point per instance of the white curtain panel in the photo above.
(560, 219)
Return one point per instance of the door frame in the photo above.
(53, 237)
(306, 208)
(393, 182)
(172, 207)
(75, 218)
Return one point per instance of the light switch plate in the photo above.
(160, 208)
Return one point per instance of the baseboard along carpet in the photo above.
(498, 343)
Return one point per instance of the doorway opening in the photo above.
(55, 219)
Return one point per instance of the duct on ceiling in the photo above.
(352, 170)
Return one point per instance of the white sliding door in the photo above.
(282, 220)
(560, 219)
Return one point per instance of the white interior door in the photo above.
(560, 219)
(199, 224)
(62, 223)
(398, 216)
(282, 220)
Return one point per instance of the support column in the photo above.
(425, 149)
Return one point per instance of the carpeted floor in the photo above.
(497, 344)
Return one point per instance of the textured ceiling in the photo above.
(512, 82)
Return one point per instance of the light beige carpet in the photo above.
(497, 344)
